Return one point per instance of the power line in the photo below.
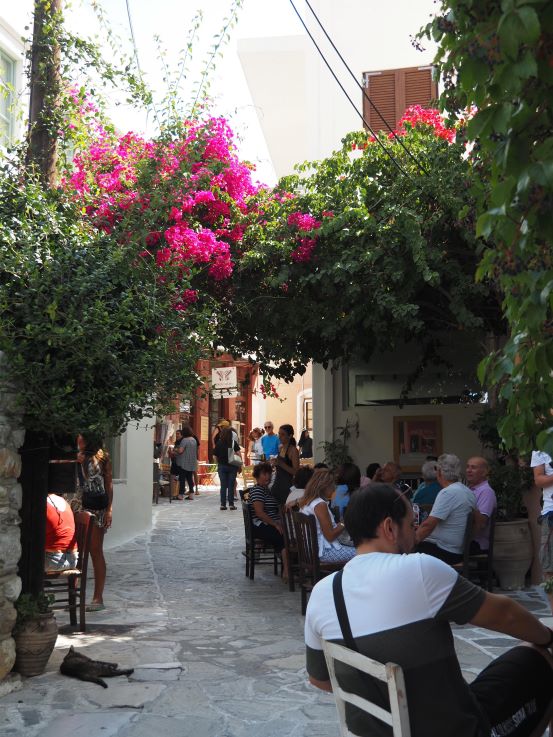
(360, 114)
(364, 92)
(133, 38)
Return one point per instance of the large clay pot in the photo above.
(34, 643)
(512, 554)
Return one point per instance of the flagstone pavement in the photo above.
(215, 654)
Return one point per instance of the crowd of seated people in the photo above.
(447, 501)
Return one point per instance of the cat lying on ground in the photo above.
(80, 666)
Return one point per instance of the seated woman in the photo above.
(348, 480)
(61, 546)
(297, 490)
(427, 492)
(265, 513)
(315, 502)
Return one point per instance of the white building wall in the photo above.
(132, 493)
(301, 109)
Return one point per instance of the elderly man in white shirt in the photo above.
(443, 531)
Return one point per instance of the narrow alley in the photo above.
(215, 654)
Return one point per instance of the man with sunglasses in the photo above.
(269, 441)
(397, 608)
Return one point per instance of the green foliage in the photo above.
(393, 263)
(509, 481)
(80, 319)
(336, 451)
(497, 57)
(30, 607)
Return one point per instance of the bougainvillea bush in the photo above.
(111, 284)
(183, 200)
(353, 255)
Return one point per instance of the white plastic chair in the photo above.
(391, 674)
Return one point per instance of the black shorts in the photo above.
(515, 691)
(270, 535)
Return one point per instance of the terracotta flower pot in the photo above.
(512, 553)
(34, 643)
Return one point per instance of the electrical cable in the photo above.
(364, 92)
(360, 114)
(133, 38)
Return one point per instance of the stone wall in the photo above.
(11, 438)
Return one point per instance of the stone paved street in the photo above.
(215, 655)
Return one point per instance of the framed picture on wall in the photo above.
(415, 438)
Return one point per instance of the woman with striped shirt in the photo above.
(265, 513)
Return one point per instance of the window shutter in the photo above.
(420, 88)
(381, 88)
(393, 91)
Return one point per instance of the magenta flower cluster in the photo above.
(305, 224)
(187, 200)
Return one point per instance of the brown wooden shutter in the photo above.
(381, 87)
(393, 91)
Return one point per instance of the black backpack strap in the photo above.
(342, 612)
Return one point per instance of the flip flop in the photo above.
(95, 607)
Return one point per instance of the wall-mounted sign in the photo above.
(224, 382)
(204, 427)
(185, 406)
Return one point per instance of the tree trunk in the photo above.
(41, 156)
(35, 455)
(44, 91)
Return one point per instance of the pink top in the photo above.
(486, 503)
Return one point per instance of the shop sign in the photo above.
(224, 382)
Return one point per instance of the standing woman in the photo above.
(305, 444)
(226, 470)
(286, 464)
(255, 449)
(186, 458)
(95, 485)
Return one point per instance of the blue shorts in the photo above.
(60, 561)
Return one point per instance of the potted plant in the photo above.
(336, 451)
(513, 549)
(35, 633)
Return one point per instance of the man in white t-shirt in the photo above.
(543, 477)
(443, 532)
(399, 608)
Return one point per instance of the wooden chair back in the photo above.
(484, 561)
(256, 553)
(390, 673)
(464, 566)
(291, 545)
(308, 547)
(72, 582)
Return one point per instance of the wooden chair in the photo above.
(257, 552)
(463, 567)
(310, 567)
(72, 581)
(477, 572)
(483, 570)
(291, 546)
(397, 717)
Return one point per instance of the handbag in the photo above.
(234, 459)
